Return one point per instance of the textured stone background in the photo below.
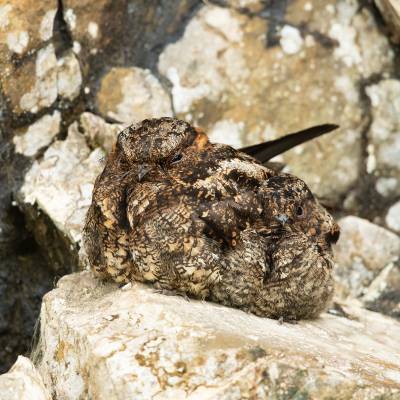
(72, 73)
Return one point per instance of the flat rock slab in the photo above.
(104, 342)
(23, 382)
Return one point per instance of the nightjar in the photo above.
(211, 222)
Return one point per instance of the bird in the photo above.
(207, 221)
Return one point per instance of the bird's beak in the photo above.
(143, 170)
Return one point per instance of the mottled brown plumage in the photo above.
(208, 221)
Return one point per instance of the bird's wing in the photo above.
(267, 150)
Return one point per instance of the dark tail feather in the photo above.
(267, 150)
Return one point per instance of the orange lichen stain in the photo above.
(140, 359)
(181, 368)
(59, 354)
(199, 360)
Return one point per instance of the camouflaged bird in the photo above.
(211, 222)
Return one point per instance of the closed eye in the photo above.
(176, 158)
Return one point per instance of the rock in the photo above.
(36, 84)
(24, 28)
(132, 94)
(25, 276)
(383, 295)
(359, 260)
(30, 140)
(43, 72)
(61, 183)
(85, 31)
(383, 137)
(390, 10)
(33, 84)
(393, 217)
(243, 91)
(23, 382)
(32, 77)
(69, 77)
(108, 33)
(98, 132)
(29, 85)
(99, 341)
(59, 187)
(56, 195)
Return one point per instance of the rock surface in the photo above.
(35, 84)
(132, 94)
(23, 28)
(59, 186)
(61, 183)
(23, 382)
(102, 342)
(358, 260)
(383, 136)
(32, 86)
(53, 55)
(99, 133)
(57, 189)
(29, 141)
(393, 217)
(235, 87)
(383, 295)
(244, 70)
(106, 34)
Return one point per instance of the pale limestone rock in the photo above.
(24, 27)
(102, 342)
(383, 295)
(270, 91)
(228, 132)
(36, 83)
(251, 5)
(98, 132)
(85, 23)
(359, 40)
(221, 20)
(126, 33)
(69, 77)
(393, 217)
(192, 78)
(17, 41)
(389, 276)
(358, 257)
(60, 184)
(386, 186)
(132, 94)
(291, 40)
(33, 85)
(70, 18)
(93, 29)
(46, 25)
(23, 382)
(40, 134)
(384, 134)
(76, 47)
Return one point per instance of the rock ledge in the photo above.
(104, 342)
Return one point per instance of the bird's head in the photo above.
(295, 209)
(158, 143)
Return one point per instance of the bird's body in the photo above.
(208, 221)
